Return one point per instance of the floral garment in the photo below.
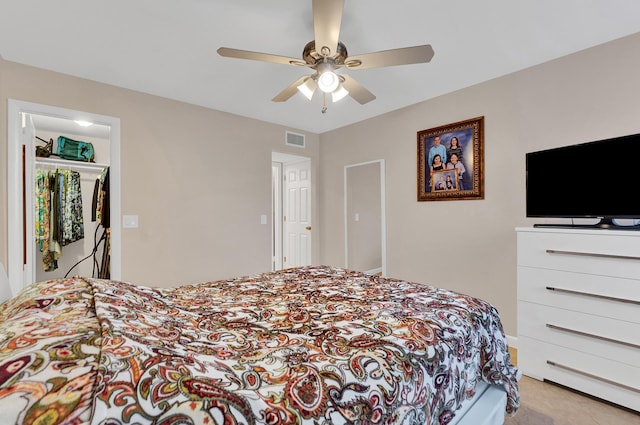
(58, 213)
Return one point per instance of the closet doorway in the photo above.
(291, 210)
(31, 125)
(365, 217)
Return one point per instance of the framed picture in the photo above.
(451, 161)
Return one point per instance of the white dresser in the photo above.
(579, 310)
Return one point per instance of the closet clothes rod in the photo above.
(76, 165)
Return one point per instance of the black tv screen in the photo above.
(590, 180)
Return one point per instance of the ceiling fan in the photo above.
(326, 54)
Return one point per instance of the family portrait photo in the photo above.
(450, 161)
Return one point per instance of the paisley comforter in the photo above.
(312, 345)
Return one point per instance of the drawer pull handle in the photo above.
(592, 254)
(589, 294)
(590, 375)
(603, 338)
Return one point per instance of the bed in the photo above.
(309, 345)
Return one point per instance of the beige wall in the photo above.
(198, 179)
(470, 246)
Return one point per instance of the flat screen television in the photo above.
(599, 179)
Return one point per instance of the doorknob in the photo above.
(308, 227)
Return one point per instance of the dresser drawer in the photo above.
(618, 340)
(603, 296)
(600, 377)
(596, 252)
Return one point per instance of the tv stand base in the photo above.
(603, 224)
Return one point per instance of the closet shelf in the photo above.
(78, 165)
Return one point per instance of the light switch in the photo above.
(129, 221)
(263, 219)
(356, 217)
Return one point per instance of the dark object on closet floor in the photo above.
(44, 151)
(104, 271)
(100, 269)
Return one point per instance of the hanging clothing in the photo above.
(71, 221)
(100, 210)
(58, 213)
(43, 208)
(43, 215)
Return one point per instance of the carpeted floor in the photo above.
(542, 403)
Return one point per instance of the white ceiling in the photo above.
(168, 48)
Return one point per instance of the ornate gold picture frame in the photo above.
(451, 151)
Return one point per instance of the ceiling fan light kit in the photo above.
(332, 56)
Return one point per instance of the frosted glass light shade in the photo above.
(339, 93)
(328, 81)
(308, 88)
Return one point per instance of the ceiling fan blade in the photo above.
(327, 17)
(356, 90)
(403, 56)
(264, 57)
(292, 89)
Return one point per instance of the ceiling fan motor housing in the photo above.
(311, 56)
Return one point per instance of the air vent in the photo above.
(294, 139)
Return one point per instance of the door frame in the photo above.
(279, 188)
(16, 108)
(277, 231)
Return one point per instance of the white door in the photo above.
(297, 214)
(20, 178)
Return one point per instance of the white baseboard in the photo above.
(512, 341)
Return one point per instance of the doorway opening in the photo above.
(291, 210)
(365, 217)
(25, 121)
